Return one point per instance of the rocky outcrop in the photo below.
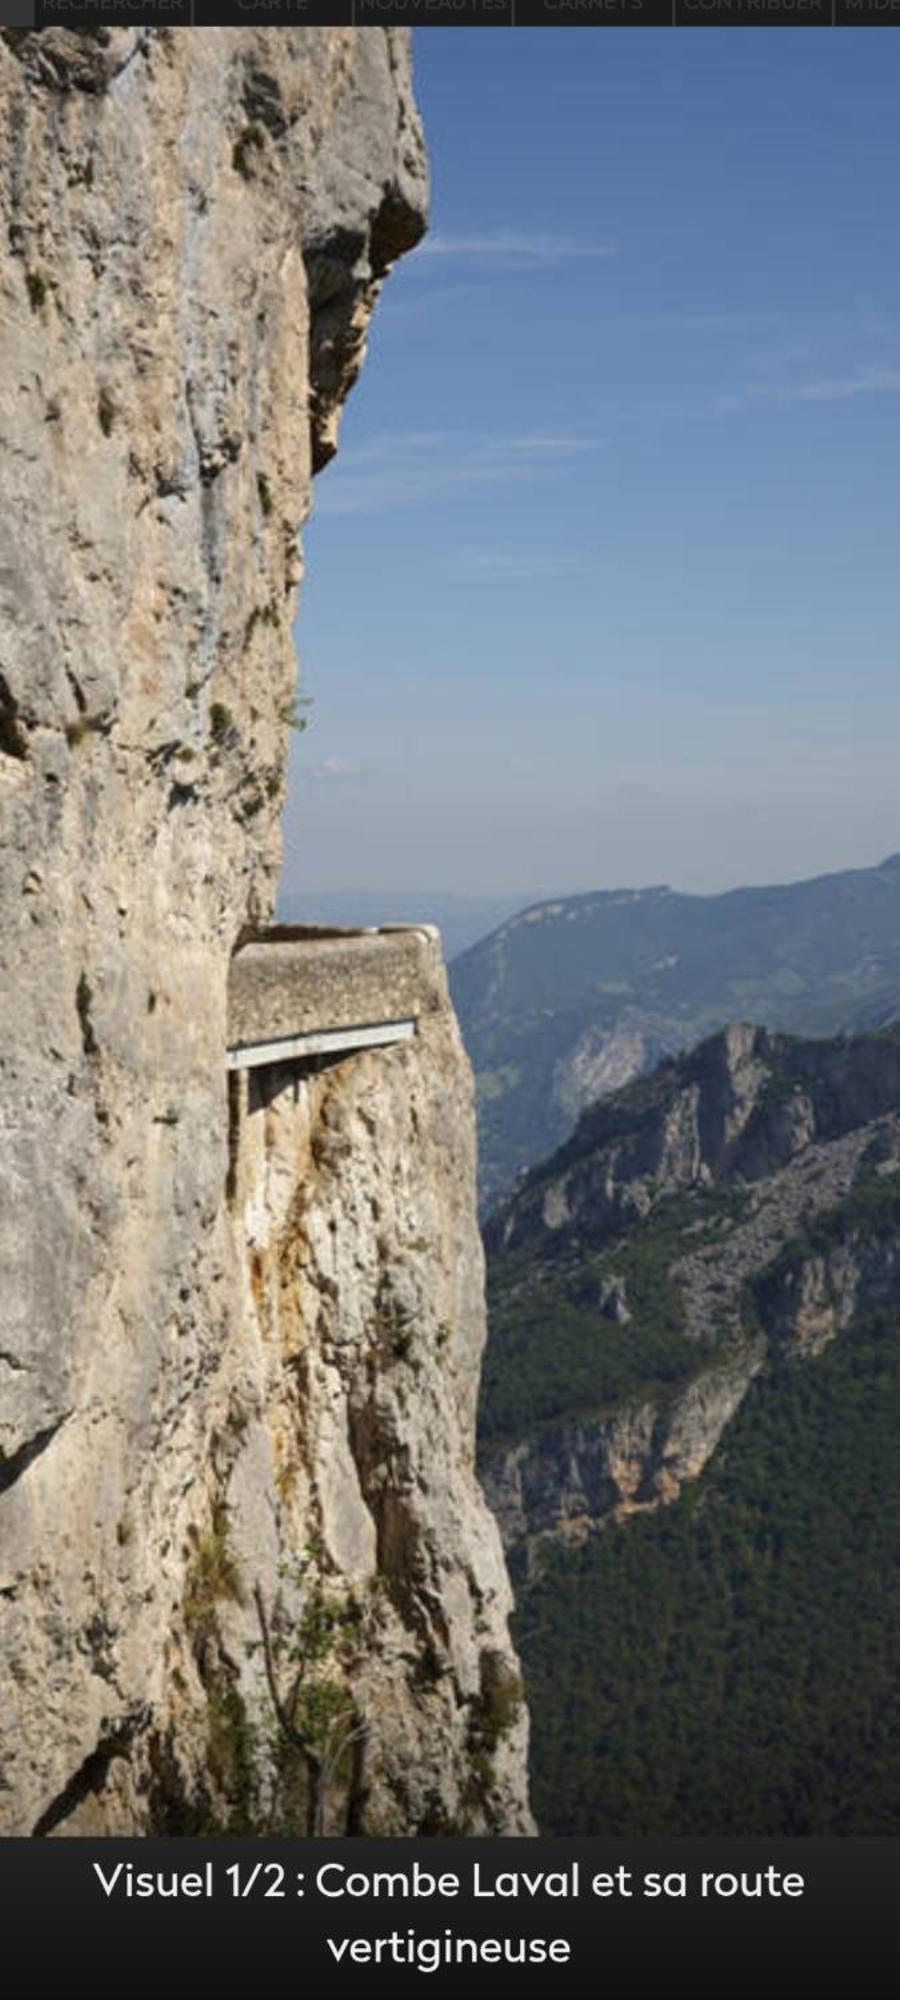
(365, 1284)
(571, 1479)
(757, 1181)
(236, 1399)
(736, 1109)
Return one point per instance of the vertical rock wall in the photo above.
(195, 1438)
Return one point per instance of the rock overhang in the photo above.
(299, 989)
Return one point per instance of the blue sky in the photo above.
(603, 585)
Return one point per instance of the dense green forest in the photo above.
(554, 1351)
(731, 1664)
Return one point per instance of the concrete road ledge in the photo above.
(297, 980)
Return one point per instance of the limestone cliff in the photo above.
(237, 1369)
(733, 1212)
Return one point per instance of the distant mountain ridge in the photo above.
(573, 997)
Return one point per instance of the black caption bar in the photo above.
(567, 1907)
(94, 14)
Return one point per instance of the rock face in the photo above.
(579, 1475)
(236, 1394)
(742, 1207)
(742, 1106)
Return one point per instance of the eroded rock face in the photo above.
(195, 226)
(739, 1107)
(580, 1476)
(355, 1190)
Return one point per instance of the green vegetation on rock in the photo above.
(554, 1348)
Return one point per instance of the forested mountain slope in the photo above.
(689, 1432)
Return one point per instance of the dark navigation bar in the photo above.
(94, 14)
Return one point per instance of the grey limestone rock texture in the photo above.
(198, 1413)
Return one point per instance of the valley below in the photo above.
(688, 1433)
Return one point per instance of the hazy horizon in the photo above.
(601, 588)
(464, 919)
(522, 898)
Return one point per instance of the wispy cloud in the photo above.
(550, 444)
(515, 565)
(416, 469)
(527, 246)
(825, 389)
(337, 771)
